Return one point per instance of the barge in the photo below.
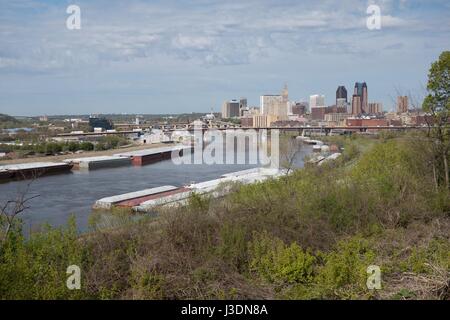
(149, 156)
(131, 197)
(32, 170)
(92, 163)
(211, 187)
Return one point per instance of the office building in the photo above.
(341, 93)
(299, 108)
(275, 105)
(230, 109)
(336, 109)
(343, 104)
(263, 120)
(361, 91)
(356, 105)
(316, 100)
(96, 122)
(242, 106)
(268, 103)
(247, 121)
(250, 111)
(336, 118)
(318, 113)
(375, 108)
(402, 104)
(358, 122)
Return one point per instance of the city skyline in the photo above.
(170, 57)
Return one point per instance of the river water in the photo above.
(61, 196)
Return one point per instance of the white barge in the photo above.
(148, 199)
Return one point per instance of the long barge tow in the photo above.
(34, 170)
(149, 199)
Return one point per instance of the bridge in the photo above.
(94, 134)
(299, 129)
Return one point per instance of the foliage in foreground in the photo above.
(310, 235)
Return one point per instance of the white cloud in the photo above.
(209, 33)
(192, 42)
(390, 21)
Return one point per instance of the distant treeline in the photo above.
(7, 122)
(105, 143)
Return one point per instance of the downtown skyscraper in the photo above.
(360, 99)
(341, 93)
(230, 109)
(402, 104)
(342, 99)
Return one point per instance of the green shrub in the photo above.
(147, 284)
(86, 146)
(344, 273)
(276, 262)
(422, 259)
(36, 268)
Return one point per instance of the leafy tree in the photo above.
(86, 146)
(438, 105)
(53, 147)
(73, 146)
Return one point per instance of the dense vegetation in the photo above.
(309, 235)
(7, 121)
(52, 147)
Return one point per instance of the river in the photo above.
(61, 196)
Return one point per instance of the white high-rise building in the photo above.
(290, 104)
(268, 103)
(316, 100)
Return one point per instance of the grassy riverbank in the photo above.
(310, 235)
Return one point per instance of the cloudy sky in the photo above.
(167, 56)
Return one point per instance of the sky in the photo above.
(167, 56)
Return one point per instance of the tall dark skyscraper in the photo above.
(361, 91)
(341, 93)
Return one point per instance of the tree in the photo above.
(437, 104)
(73, 146)
(12, 208)
(86, 146)
(289, 150)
